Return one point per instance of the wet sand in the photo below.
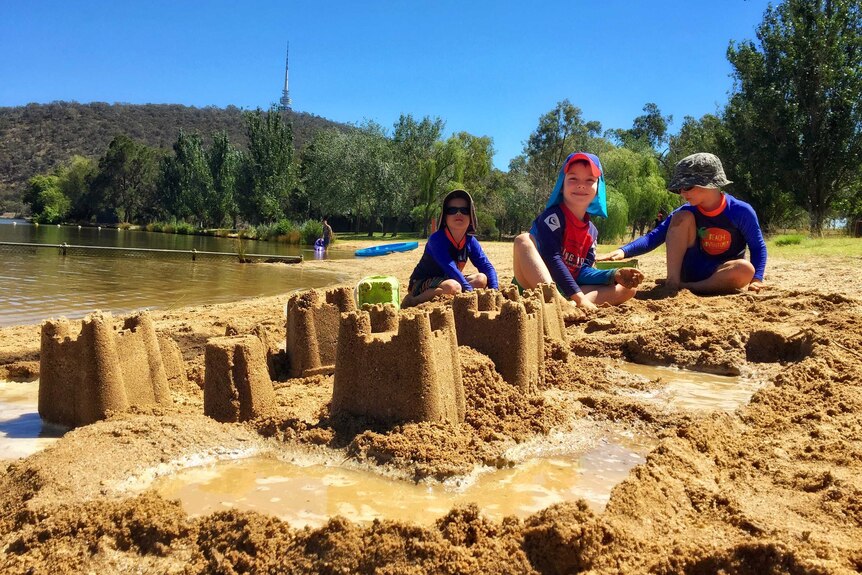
(773, 487)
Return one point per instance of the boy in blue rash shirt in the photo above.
(561, 244)
(707, 237)
(446, 253)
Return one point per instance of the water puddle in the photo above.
(681, 389)
(310, 495)
(21, 429)
(586, 464)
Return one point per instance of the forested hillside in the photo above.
(36, 138)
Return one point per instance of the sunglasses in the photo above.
(688, 189)
(452, 210)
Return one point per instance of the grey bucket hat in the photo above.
(701, 169)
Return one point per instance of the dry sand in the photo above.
(775, 487)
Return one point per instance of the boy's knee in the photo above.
(523, 242)
(682, 219)
(450, 287)
(480, 280)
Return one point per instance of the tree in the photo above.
(268, 172)
(648, 131)
(76, 177)
(434, 172)
(801, 89)
(47, 202)
(637, 179)
(560, 132)
(224, 163)
(126, 178)
(186, 183)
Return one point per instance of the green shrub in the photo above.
(185, 229)
(487, 225)
(310, 230)
(789, 240)
(614, 226)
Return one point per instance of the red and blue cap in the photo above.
(599, 205)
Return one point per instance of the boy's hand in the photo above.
(613, 256)
(756, 286)
(628, 277)
(581, 300)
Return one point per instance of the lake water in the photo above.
(39, 283)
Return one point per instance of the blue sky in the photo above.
(488, 68)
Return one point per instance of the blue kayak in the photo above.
(384, 249)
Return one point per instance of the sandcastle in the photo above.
(237, 386)
(551, 302)
(312, 329)
(102, 370)
(509, 332)
(409, 375)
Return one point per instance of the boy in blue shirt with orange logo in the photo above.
(439, 271)
(561, 244)
(707, 237)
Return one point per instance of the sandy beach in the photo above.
(773, 487)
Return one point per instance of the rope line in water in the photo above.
(68, 249)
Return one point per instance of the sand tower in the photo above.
(509, 332)
(412, 374)
(547, 296)
(102, 370)
(237, 386)
(312, 329)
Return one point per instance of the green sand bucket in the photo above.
(616, 265)
(378, 289)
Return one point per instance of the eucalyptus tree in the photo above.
(435, 173)
(268, 171)
(796, 110)
(559, 133)
(186, 181)
(76, 176)
(224, 163)
(327, 174)
(378, 174)
(126, 179)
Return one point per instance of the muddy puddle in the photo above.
(685, 390)
(310, 495)
(586, 464)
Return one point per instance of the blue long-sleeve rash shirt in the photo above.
(568, 248)
(722, 236)
(443, 259)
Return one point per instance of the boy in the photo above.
(706, 238)
(446, 254)
(561, 245)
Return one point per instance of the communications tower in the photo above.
(284, 103)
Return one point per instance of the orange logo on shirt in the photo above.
(714, 241)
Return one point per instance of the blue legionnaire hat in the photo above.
(599, 205)
(701, 169)
(464, 194)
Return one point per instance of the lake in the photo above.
(40, 283)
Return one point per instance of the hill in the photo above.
(36, 138)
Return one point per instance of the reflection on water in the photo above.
(310, 495)
(21, 429)
(36, 284)
(692, 390)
